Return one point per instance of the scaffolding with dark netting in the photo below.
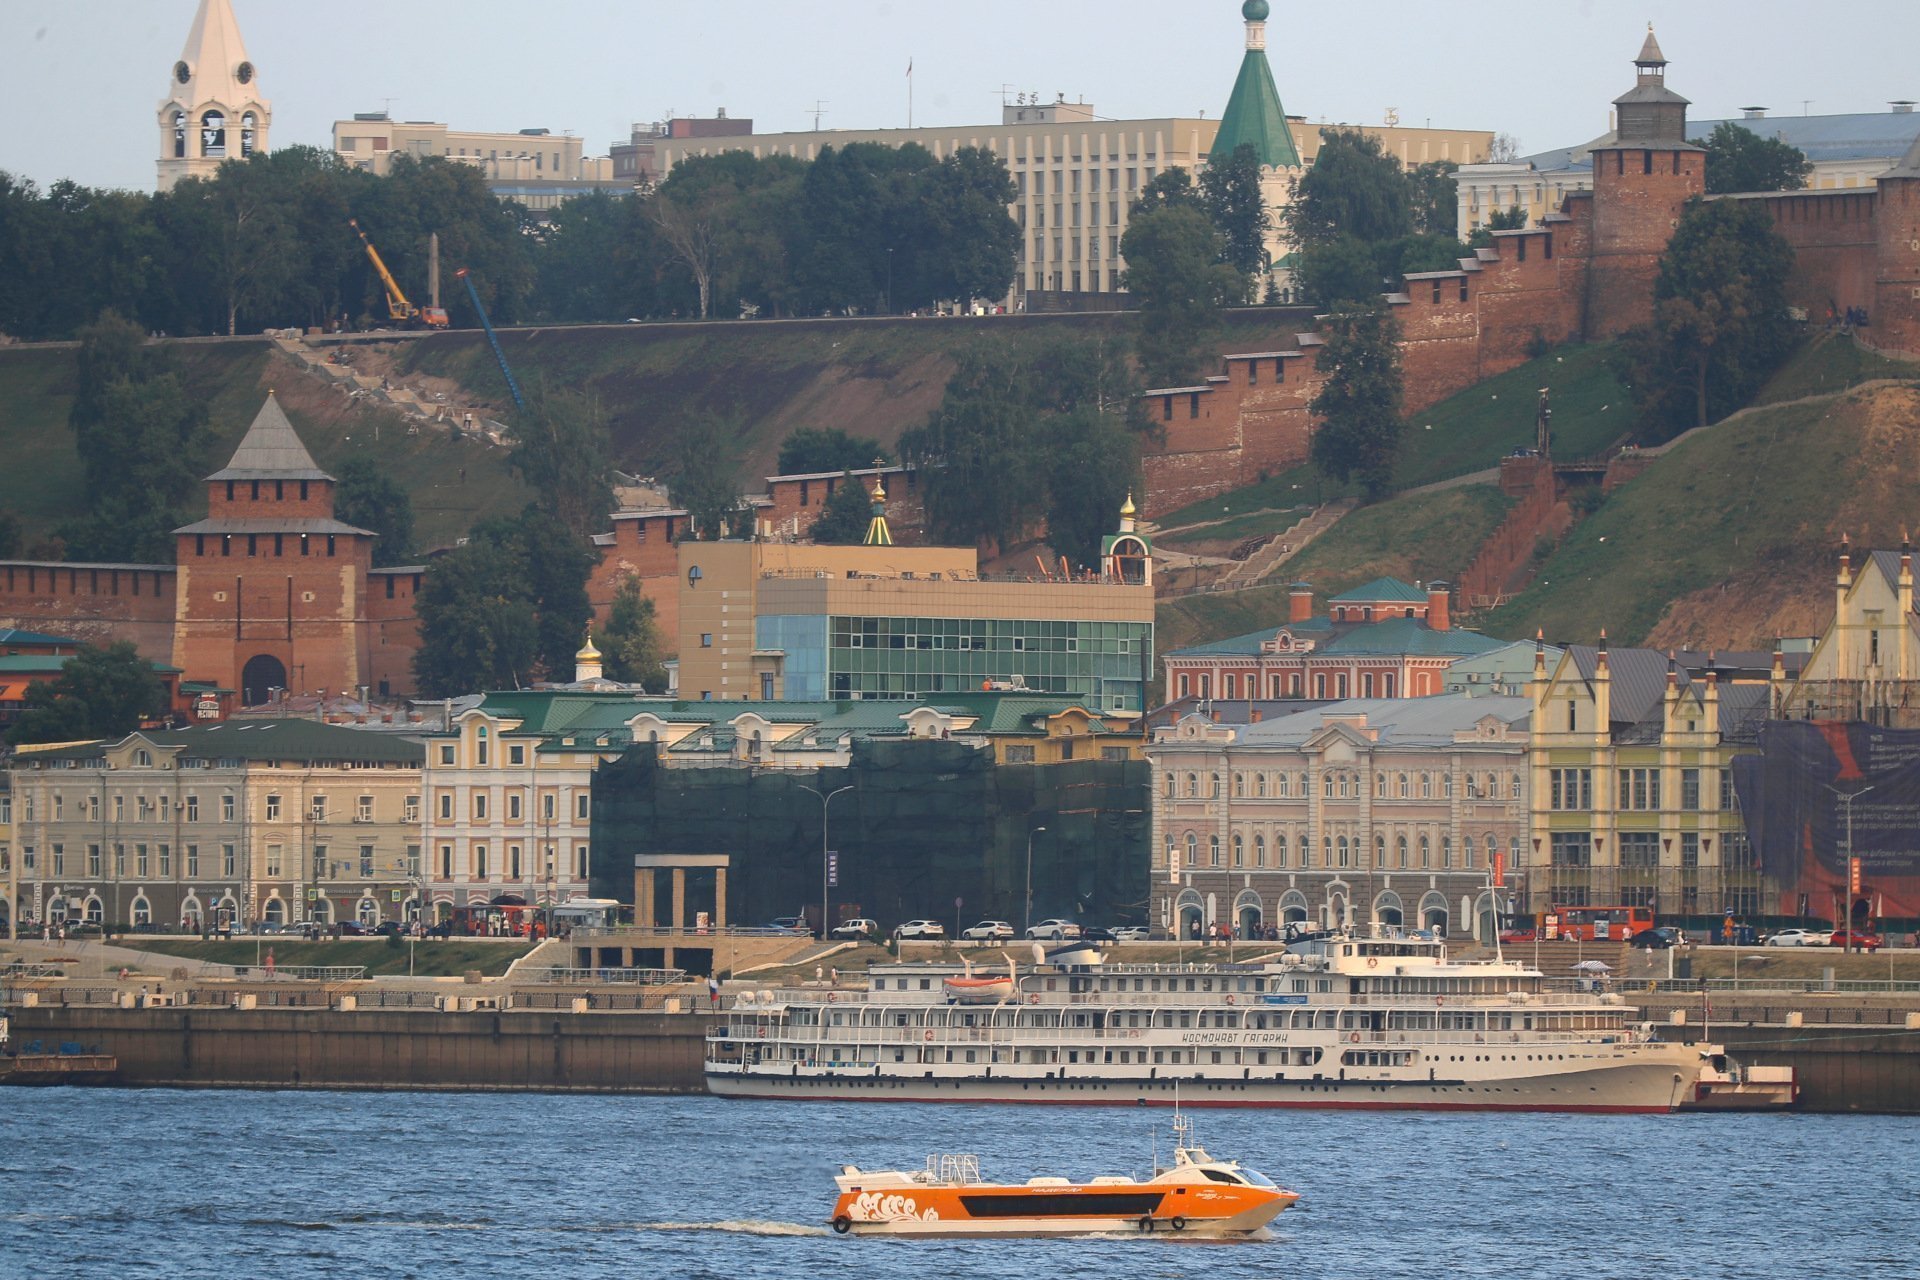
(926, 823)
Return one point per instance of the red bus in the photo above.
(1601, 924)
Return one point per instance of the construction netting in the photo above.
(929, 829)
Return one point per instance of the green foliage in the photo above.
(843, 521)
(1174, 268)
(1358, 406)
(504, 609)
(1720, 325)
(1343, 270)
(1354, 188)
(141, 442)
(631, 643)
(561, 451)
(1169, 189)
(9, 535)
(1231, 191)
(101, 692)
(367, 496)
(1435, 198)
(1512, 218)
(1047, 429)
(702, 478)
(1738, 159)
(818, 450)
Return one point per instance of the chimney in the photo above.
(1300, 602)
(1902, 106)
(1437, 614)
(1254, 715)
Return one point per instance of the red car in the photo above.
(1521, 933)
(1857, 940)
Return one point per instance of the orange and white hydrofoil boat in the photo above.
(1195, 1196)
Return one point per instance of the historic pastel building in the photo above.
(1631, 798)
(1866, 665)
(214, 110)
(1368, 810)
(284, 821)
(1387, 639)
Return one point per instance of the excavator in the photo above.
(399, 309)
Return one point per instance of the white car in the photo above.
(1801, 938)
(1055, 930)
(858, 927)
(1131, 933)
(987, 930)
(920, 929)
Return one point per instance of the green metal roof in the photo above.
(14, 635)
(288, 740)
(1254, 115)
(1410, 636)
(1382, 589)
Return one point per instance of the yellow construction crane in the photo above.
(399, 309)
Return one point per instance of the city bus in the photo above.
(1596, 924)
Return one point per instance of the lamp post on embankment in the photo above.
(825, 858)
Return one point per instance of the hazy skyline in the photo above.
(594, 67)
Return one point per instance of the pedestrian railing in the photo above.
(300, 972)
(636, 977)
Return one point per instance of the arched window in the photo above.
(1213, 851)
(1514, 791)
(1341, 844)
(1379, 786)
(1283, 785)
(1239, 851)
(1446, 785)
(1173, 854)
(142, 911)
(1239, 785)
(1400, 844)
(1260, 785)
(248, 125)
(1493, 846)
(1259, 851)
(1405, 790)
(1193, 850)
(1446, 853)
(1215, 793)
(1169, 786)
(1326, 851)
(1426, 786)
(1379, 851)
(1280, 849)
(179, 135)
(1466, 851)
(1305, 791)
(1426, 853)
(1193, 785)
(1326, 786)
(213, 133)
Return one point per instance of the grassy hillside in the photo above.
(42, 481)
(1415, 537)
(875, 378)
(1729, 539)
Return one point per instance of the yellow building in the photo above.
(1631, 787)
(1867, 664)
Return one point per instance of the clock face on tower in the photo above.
(182, 72)
(244, 73)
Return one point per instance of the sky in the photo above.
(84, 78)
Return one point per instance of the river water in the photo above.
(108, 1183)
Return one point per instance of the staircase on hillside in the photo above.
(1288, 545)
(1504, 563)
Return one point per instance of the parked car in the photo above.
(988, 931)
(1055, 930)
(1856, 939)
(352, 929)
(390, 929)
(1658, 938)
(1519, 933)
(791, 924)
(858, 927)
(1131, 933)
(920, 929)
(1799, 938)
(1094, 933)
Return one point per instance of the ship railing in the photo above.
(1157, 1037)
(590, 977)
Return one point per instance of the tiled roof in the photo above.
(1251, 642)
(273, 524)
(1255, 117)
(1396, 721)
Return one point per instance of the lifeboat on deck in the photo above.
(987, 989)
(1196, 1195)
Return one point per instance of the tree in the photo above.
(370, 498)
(819, 450)
(10, 535)
(1169, 189)
(966, 245)
(1358, 406)
(1720, 324)
(103, 691)
(1504, 149)
(1343, 270)
(843, 521)
(981, 482)
(1354, 188)
(561, 451)
(1174, 269)
(1738, 159)
(702, 478)
(1231, 190)
(1435, 197)
(631, 640)
(505, 608)
(1093, 461)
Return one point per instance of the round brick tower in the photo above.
(1894, 324)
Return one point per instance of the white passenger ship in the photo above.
(1337, 1021)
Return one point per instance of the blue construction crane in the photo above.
(498, 354)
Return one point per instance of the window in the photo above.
(480, 746)
(193, 808)
(480, 862)
(193, 862)
(706, 639)
(1259, 851)
(1260, 785)
(1639, 849)
(413, 861)
(1639, 789)
(446, 862)
(165, 854)
(1726, 790)
(318, 808)
(1400, 848)
(446, 805)
(1466, 851)
(516, 753)
(480, 806)
(229, 860)
(446, 753)
(1344, 853)
(1193, 850)
(1239, 851)
(93, 861)
(1569, 788)
(1572, 849)
(1426, 786)
(513, 805)
(1690, 849)
(1213, 851)
(319, 860)
(275, 855)
(411, 813)
(1280, 849)
(227, 807)
(273, 808)
(1239, 785)
(1020, 753)
(1404, 786)
(363, 809)
(1689, 788)
(366, 862)
(1446, 853)
(1326, 786)
(1516, 787)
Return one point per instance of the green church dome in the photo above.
(1254, 10)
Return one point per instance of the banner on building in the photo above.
(1818, 793)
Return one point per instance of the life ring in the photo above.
(1441, 1000)
(1033, 998)
(1373, 962)
(929, 1033)
(842, 1224)
(760, 1032)
(1354, 1038)
(1229, 999)
(1177, 1223)
(832, 996)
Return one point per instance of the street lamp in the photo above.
(1845, 923)
(825, 801)
(1026, 921)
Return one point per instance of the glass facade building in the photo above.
(1103, 664)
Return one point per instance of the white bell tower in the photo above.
(214, 110)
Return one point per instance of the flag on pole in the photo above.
(909, 66)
